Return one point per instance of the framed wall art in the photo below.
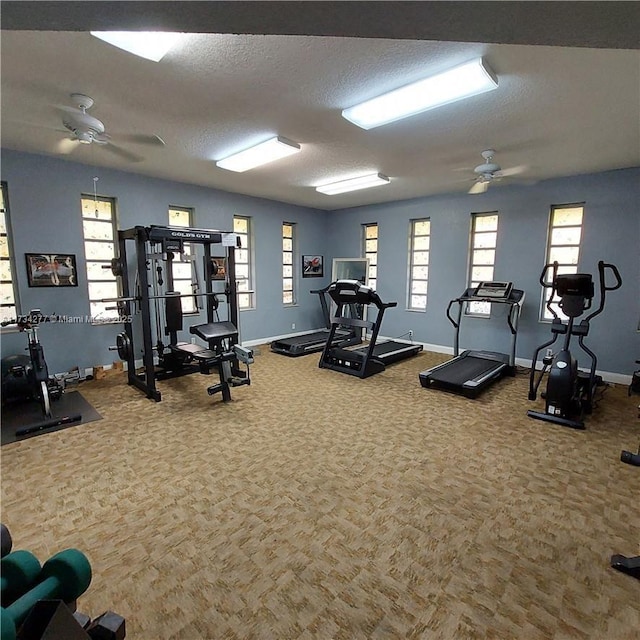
(51, 270)
(312, 267)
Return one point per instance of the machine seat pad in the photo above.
(215, 330)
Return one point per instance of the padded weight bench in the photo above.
(222, 355)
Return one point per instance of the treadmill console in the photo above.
(496, 290)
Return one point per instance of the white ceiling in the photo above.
(558, 111)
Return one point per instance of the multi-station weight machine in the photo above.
(156, 248)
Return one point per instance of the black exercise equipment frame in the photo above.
(362, 363)
(43, 387)
(569, 392)
(171, 239)
(455, 375)
(314, 341)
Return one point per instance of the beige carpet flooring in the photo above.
(317, 505)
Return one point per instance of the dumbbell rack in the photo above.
(39, 600)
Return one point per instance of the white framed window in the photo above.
(370, 251)
(419, 242)
(244, 266)
(100, 247)
(8, 297)
(482, 256)
(183, 270)
(288, 265)
(563, 247)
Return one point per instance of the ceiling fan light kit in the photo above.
(489, 171)
(263, 153)
(353, 184)
(463, 81)
(85, 129)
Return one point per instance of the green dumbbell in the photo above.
(19, 571)
(65, 576)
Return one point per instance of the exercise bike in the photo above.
(28, 378)
(570, 391)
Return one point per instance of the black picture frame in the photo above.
(51, 269)
(312, 266)
(218, 268)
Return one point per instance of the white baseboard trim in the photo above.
(607, 376)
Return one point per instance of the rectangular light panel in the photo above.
(353, 184)
(152, 45)
(268, 151)
(463, 81)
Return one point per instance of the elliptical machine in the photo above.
(31, 375)
(570, 391)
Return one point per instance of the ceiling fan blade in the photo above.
(142, 138)
(479, 187)
(512, 171)
(67, 109)
(67, 145)
(122, 153)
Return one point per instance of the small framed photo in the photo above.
(218, 268)
(312, 267)
(51, 270)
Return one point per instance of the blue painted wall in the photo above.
(44, 197)
(45, 193)
(611, 233)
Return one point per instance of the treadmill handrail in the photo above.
(451, 320)
(516, 298)
(515, 301)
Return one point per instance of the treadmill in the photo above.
(469, 373)
(391, 351)
(314, 341)
(374, 357)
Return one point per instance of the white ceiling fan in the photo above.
(85, 129)
(489, 171)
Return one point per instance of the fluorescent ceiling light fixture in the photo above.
(463, 81)
(353, 184)
(152, 45)
(267, 151)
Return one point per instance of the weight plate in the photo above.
(123, 343)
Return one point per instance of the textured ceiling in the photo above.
(558, 111)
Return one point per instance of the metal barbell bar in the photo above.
(164, 296)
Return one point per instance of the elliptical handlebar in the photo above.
(616, 274)
(550, 285)
(602, 267)
(543, 282)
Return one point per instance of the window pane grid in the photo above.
(370, 248)
(7, 291)
(419, 243)
(484, 239)
(99, 231)
(288, 240)
(182, 280)
(242, 227)
(565, 233)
